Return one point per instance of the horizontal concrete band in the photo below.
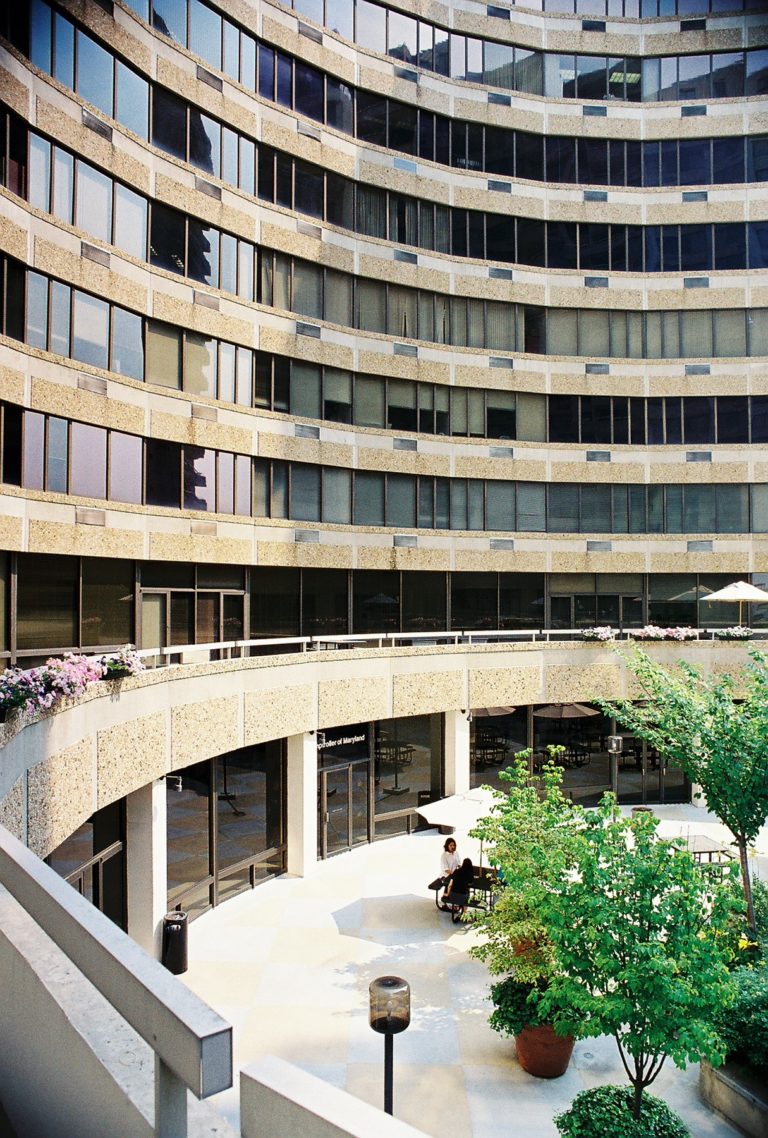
(118, 738)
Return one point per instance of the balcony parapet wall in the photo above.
(58, 769)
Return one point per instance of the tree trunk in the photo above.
(746, 882)
(638, 1099)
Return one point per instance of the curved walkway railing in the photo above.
(241, 649)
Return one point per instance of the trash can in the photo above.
(175, 939)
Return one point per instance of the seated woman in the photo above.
(449, 860)
(460, 883)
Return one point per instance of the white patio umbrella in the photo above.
(741, 592)
(462, 811)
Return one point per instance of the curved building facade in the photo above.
(348, 318)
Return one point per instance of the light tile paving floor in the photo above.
(289, 964)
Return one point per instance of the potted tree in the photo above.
(639, 937)
(531, 833)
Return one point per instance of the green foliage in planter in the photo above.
(531, 835)
(601, 1112)
(515, 1006)
(744, 1026)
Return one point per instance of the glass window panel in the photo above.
(500, 506)
(56, 456)
(337, 395)
(339, 104)
(127, 343)
(90, 341)
(200, 365)
(369, 401)
(696, 334)
(339, 17)
(170, 18)
(130, 232)
(338, 298)
(371, 26)
(199, 479)
(305, 493)
(694, 161)
(94, 74)
(308, 289)
(169, 126)
(403, 128)
(694, 77)
(368, 498)
(47, 601)
(37, 311)
(244, 377)
(562, 508)
(205, 144)
(305, 389)
(757, 73)
(231, 55)
(32, 474)
(205, 33)
(695, 248)
(132, 109)
(309, 91)
(163, 355)
(309, 190)
(40, 35)
(39, 173)
(94, 202)
(63, 185)
(733, 419)
(591, 77)
(401, 500)
(163, 473)
(370, 305)
(126, 454)
(89, 461)
(266, 72)
(167, 239)
(730, 333)
(499, 65)
(228, 264)
(64, 51)
(699, 509)
(107, 601)
(60, 318)
(337, 496)
(730, 245)
(699, 419)
(402, 37)
(562, 332)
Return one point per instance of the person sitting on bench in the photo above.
(460, 884)
(449, 860)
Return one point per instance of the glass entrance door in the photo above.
(343, 807)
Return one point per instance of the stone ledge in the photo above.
(739, 1094)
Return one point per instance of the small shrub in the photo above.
(514, 1006)
(744, 1025)
(606, 1112)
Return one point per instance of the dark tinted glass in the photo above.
(167, 239)
(169, 119)
(163, 473)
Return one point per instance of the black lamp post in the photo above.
(389, 1013)
(615, 744)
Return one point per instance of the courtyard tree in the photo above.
(637, 937)
(716, 731)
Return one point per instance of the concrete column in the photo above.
(456, 752)
(302, 803)
(146, 862)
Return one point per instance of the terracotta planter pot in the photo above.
(542, 1053)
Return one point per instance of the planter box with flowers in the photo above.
(38, 690)
(736, 632)
(650, 632)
